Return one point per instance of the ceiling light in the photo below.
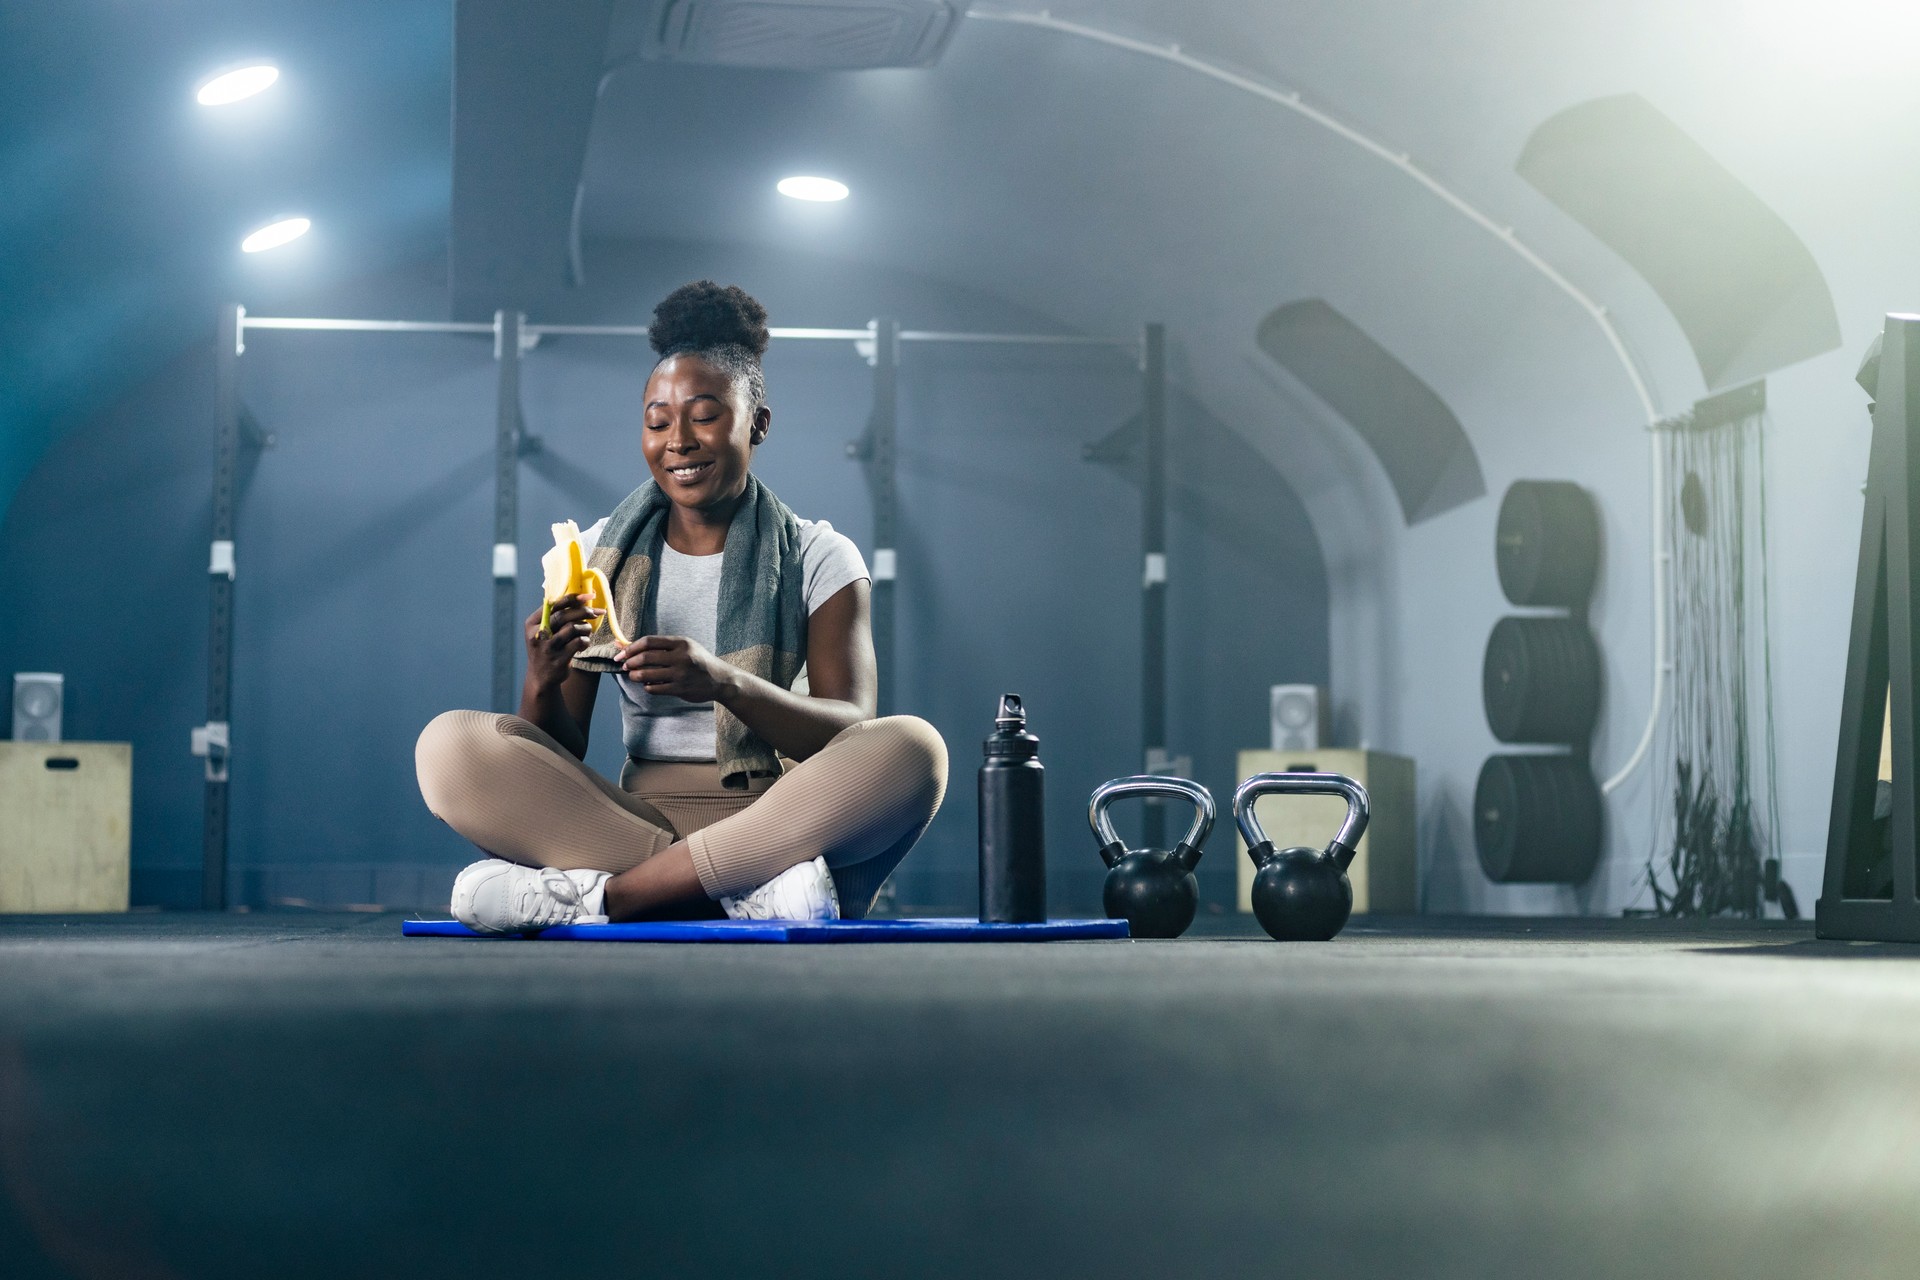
(241, 82)
(275, 234)
(813, 188)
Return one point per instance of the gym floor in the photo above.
(309, 1095)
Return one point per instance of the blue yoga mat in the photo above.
(956, 929)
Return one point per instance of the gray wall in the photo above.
(364, 590)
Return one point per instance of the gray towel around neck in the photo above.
(763, 610)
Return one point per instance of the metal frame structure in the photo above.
(878, 343)
(1883, 658)
(875, 451)
(1153, 575)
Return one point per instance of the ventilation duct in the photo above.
(788, 35)
(1745, 290)
(1418, 441)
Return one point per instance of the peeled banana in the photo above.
(567, 574)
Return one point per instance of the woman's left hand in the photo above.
(677, 667)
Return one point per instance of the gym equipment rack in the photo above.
(878, 343)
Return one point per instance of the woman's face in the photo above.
(699, 436)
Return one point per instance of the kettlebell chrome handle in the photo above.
(1342, 847)
(1112, 847)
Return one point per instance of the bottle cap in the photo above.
(1010, 738)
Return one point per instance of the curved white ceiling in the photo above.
(1107, 189)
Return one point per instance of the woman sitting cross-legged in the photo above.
(739, 795)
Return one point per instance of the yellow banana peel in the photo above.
(565, 567)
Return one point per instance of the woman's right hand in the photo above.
(550, 651)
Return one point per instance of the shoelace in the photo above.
(755, 906)
(759, 905)
(543, 900)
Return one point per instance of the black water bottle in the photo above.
(1013, 836)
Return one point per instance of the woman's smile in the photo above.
(690, 473)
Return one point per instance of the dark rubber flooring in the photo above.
(311, 1095)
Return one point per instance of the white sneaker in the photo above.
(497, 896)
(804, 892)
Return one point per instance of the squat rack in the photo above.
(878, 343)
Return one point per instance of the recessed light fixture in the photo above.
(231, 86)
(812, 189)
(275, 234)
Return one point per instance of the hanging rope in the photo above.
(1720, 847)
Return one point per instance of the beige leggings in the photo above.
(861, 802)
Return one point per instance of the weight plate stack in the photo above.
(1547, 544)
(1536, 819)
(1541, 680)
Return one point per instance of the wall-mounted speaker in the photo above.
(1299, 716)
(37, 700)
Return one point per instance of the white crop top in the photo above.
(687, 603)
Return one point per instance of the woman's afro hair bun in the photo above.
(704, 315)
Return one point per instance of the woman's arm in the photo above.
(841, 679)
(556, 697)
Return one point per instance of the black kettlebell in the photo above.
(1153, 890)
(1301, 895)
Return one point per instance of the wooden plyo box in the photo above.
(1385, 874)
(65, 816)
